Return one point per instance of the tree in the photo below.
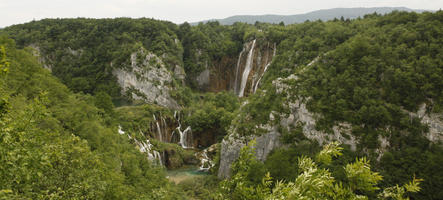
(312, 182)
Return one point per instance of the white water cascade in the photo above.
(205, 162)
(236, 71)
(247, 70)
(266, 68)
(159, 131)
(185, 135)
(145, 147)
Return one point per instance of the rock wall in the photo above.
(434, 122)
(147, 79)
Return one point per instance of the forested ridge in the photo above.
(61, 130)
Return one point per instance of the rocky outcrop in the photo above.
(434, 122)
(45, 61)
(298, 114)
(147, 79)
(231, 146)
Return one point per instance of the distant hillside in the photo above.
(326, 14)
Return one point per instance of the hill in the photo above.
(324, 15)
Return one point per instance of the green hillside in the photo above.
(338, 109)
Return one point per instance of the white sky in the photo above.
(178, 11)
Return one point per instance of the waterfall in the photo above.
(164, 128)
(256, 85)
(205, 162)
(158, 157)
(237, 69)
(159, 131)
(145, 147)
(184, 137)
(120, 131)
(266, 68)
(248, 68)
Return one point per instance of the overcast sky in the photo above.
(178, 11)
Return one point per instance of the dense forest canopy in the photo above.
(60, 129)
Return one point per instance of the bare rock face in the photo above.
(434, 122)
(44, 60)
(203, 79)
(147, 78)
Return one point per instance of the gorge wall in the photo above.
(147, 79)
(241, 75)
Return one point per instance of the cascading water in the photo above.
(236, 71)
(185, 135)
(120, 131)
(159, 131)
(258, 82)
(247, 70)
(145, 147)
(266, 68)
(205, 162)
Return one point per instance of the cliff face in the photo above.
(242, 74)
(147, 78)
(433, 120)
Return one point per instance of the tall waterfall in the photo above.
(236, 71)
(247, 70)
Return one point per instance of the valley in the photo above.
(147, 109)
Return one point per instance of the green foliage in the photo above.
(57, 145)
(83, 52)
(360, 177)
(200, 187)
(367, 72)
(329, 151)
(212, 114)
(104, 101)
(312, 181)
(4, 64)
(247, 173)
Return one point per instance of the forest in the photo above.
(356, 104)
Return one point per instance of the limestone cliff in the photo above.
(147, 78)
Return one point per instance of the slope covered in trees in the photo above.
(373, 74)
(378, 76)
(58, 145)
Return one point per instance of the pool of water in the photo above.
(179, 175)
